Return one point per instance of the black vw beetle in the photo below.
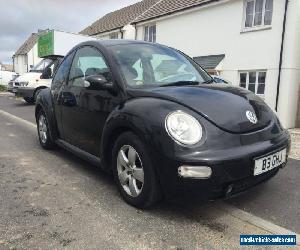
(154, 118)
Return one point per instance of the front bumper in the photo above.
(24, 91)
(232, 171)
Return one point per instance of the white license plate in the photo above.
(269, 162)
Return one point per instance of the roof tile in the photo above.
(118, 18)
(164, 7)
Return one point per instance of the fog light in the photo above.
(198, 172)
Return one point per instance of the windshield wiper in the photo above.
(180, 83)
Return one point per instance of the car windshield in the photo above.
(41, 65)
(153, 65)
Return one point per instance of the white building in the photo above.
(252, 43)
(27, 55)
(6, 73)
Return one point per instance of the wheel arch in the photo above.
(38, 88)
(44, 102)
(109, 139)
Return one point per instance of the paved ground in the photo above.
(53, 200)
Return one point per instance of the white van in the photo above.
(39, 77)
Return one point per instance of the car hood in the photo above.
(225, 106)
(28, 77)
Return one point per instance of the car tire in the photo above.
(43, 131)
(136, 178)
(29, 100)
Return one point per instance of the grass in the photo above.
(3, 88)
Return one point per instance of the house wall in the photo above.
(128, 33)
(290, 76)
(22, 63)
(32, 57)
(106, 35)
(218, 29)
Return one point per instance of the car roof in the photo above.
(113, 42)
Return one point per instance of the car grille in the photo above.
(244, 184)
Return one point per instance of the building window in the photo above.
(113, 35)
(150, 33)
(258, 13)
(254, 81)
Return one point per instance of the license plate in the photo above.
(269, 162)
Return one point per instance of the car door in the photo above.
(85, 109)
(58, 83)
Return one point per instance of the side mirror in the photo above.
(47, 73)
(97, 82)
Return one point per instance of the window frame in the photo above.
(262, 25)
(74, 55)
(71, 56)
(114, 35)
(147, 34)
(247, 72)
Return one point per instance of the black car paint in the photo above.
(229, 145)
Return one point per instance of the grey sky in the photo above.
(19, 18)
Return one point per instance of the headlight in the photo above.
(183, 128)
(24, 84)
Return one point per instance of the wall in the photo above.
(290, 76)
(128, 33)
(217, 29)
(32, 57)
(20, 64)
(105, 35)
(5, 77)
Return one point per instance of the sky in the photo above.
(20, 18)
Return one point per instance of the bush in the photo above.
(3, 88)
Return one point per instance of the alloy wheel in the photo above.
(130, 170)
(43, 128)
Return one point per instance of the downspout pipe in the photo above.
(135, 32)
(281, 53)
(122, 33)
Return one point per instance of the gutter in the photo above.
(281, 54)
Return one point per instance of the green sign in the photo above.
(46, 44)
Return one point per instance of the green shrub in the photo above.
(3, 88)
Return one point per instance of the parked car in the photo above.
(39, 77)
(219, 79)
(111, 103)
(11, 83)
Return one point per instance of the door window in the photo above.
(87, 61)
(62, 72)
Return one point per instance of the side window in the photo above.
(150, 33)
(62, 72)
(87, 61)
(254, 81)
(258, 13)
